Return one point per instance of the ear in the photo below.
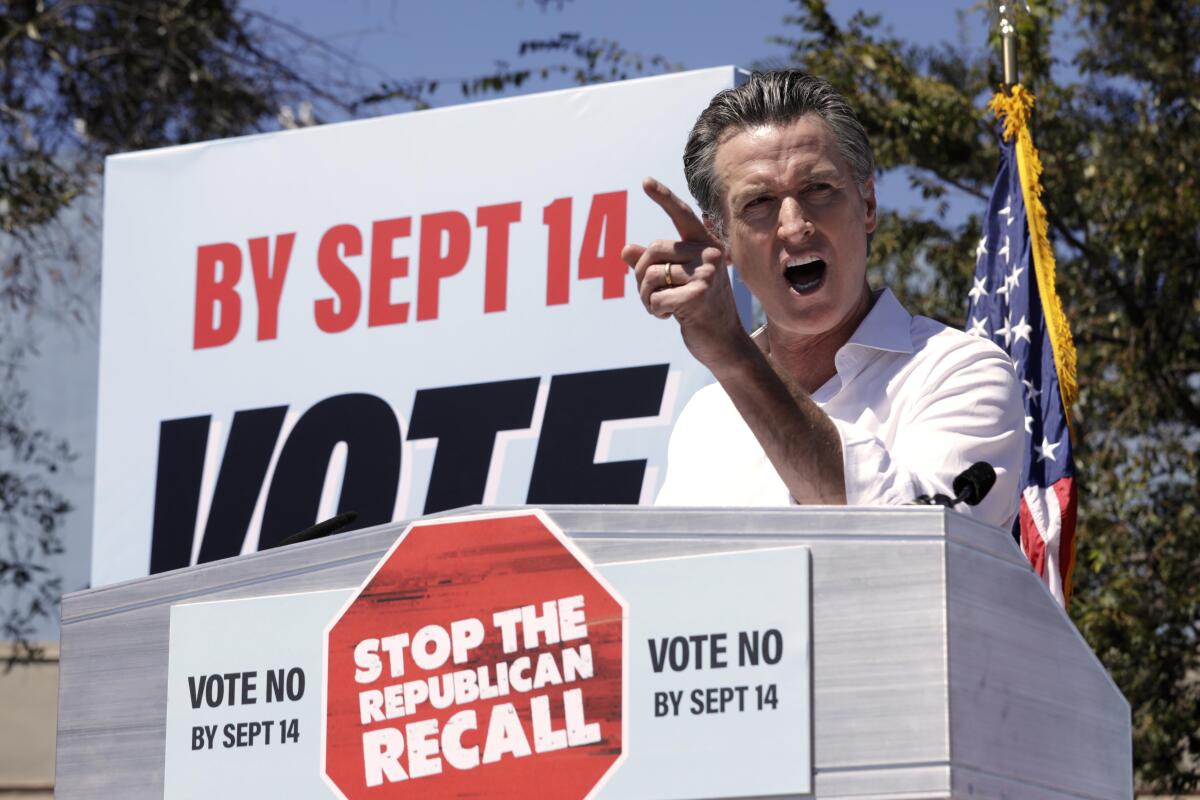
(868, 195)
(714, 230)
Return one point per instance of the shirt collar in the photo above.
(887, 326)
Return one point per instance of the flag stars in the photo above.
(1008, 213)
(1022, 330)
(1045, 451)
(981, 250)
(1029, 424)
(978, 327)
(1014, 277)
(979, 289)
(1004, 250)
(1006, 331)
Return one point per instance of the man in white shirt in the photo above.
(843, 397)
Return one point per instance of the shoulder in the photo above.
(700, 431)
(710, 402)
(950, 348)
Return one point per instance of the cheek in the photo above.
(747, 248)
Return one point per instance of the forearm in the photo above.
(799, 439)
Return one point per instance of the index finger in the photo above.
(689, 226)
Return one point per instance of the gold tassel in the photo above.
(1014, 110)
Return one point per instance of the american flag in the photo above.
(1006, 306)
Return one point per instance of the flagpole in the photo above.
(1008, 41)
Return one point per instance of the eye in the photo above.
(818, 188)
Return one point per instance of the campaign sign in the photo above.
(394, 316)
(720, 687)
(244, 697)
(717, 696)
(481, 652)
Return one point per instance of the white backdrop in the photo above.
(214, 418)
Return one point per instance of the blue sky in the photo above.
(450, 39)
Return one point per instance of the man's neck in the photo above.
(809, 358)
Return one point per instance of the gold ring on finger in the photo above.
(667, 276)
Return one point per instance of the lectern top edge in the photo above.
(826, 523)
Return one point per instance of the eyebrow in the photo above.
(760, 188)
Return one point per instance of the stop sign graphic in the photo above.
(483, 657)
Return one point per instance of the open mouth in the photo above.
(806, 278)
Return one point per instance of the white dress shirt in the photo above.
(915, 403)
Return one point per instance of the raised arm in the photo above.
(687, 279)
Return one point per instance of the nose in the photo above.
(794, 225)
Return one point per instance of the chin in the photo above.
(811, 316)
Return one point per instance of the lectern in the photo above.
(941, 667)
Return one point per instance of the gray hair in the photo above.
(770, 98)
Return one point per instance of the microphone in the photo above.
(320, 530)
(970, 487)
(973, 483)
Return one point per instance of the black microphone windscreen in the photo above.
(973, 484)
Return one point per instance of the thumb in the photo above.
(631, 253)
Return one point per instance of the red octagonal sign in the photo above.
(483, 657)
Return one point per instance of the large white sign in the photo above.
(393, 316)
(719, 692)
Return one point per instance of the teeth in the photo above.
(794, 273)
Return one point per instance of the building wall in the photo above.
(29, 713)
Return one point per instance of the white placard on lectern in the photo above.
(736, 726)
